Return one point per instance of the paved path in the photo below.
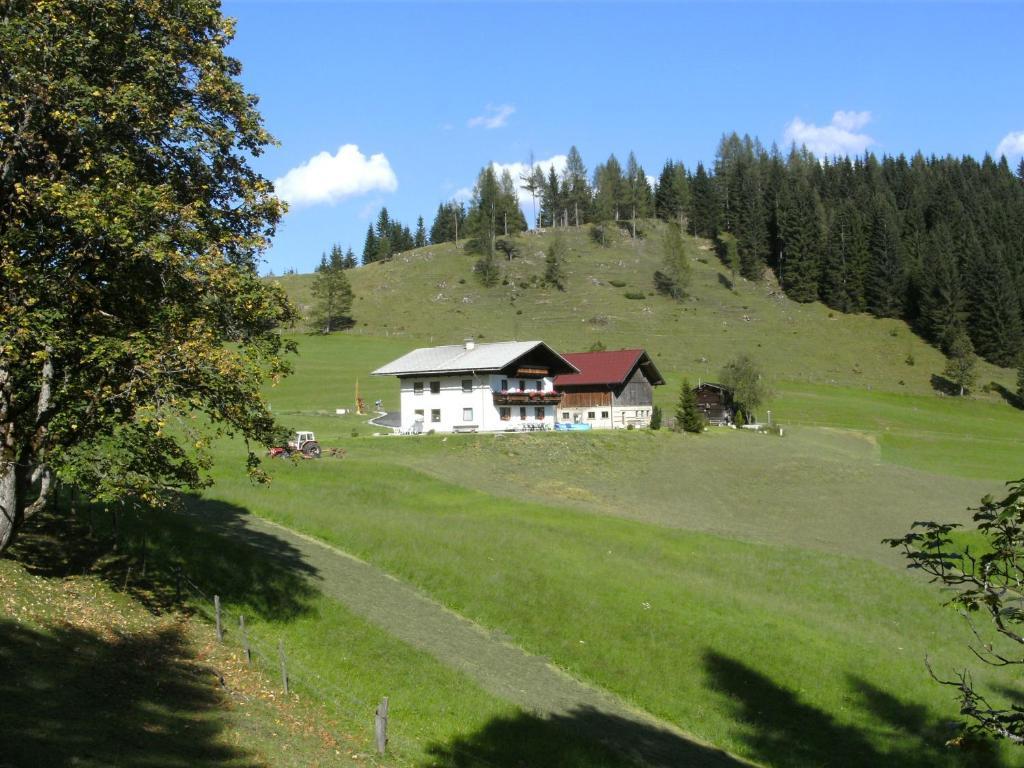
(499, 667)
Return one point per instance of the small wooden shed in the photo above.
(715, 401)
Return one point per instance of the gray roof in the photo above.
(455, 357)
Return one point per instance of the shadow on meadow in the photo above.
(72, 697)
(781, 730)
(142, 552)
(575, 739)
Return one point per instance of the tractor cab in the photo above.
(306, 444)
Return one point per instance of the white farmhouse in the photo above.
(479, 387)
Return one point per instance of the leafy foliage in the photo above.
(743, 377)
(130, 229)
(988, 582)
(961, 368)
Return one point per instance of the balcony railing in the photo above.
(527, 398)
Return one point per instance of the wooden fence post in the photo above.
(245, 640)
(216, 610)
(380, 725)
(284, 668)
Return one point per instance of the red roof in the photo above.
(610, 367)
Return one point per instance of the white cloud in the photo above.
(1012, 145)
(840, 137)
(851, 121)
(327, 178)
(653, 182)
(493, 117)
(462, 194)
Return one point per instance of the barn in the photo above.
(715, 401)
(613, 389)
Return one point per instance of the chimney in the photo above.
(469, 344)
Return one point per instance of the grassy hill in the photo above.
(430, 296)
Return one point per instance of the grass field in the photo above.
(759, 556)
(429, 296)
(731, 584)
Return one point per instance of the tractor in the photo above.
(303, 443)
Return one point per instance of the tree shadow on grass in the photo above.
(782, 730)
(1011, 398)
(143, 552)
(71, 697)
(944, 386)
(583, 738)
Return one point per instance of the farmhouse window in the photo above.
(435, 387)
(467, 414)
(504, 385)
(418, 413)
(435, 415)
(522, 385)
(604, 414)
(565, 415)
(539, 386)
(417, 388)
(538, 413)
(506, 413)
(590, 415)
(467, 385)
(522, 412)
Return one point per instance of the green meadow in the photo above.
(731, 586)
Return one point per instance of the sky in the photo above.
(400, 104)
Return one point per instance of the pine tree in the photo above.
(420, 239)
(486, 207)
(942, 300)
(576, 187)
(449, 223)
(673, 279)
(703, 205)
(962, 364)
(554, 275)
(800, 233)
(552, 204)
(885, 278)
(332, 293)
(688, 414)
(370, 246)
(350, 259)
(995, 318)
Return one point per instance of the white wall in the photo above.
(619, 417)
(451, 402)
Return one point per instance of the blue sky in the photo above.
(401, 104)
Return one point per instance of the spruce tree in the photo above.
(673, 279)
(370, 246)
(703, 214)
(688, 414)
(332, 293)
(420, 239)
(350, 259)
(961, 367)
(576, 188)
(885, 278)
(800, 233)
(554, 274)
(484, 212)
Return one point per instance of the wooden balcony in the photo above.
(527, 398)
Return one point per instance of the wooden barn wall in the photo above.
(636, 391)
(585, 399)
